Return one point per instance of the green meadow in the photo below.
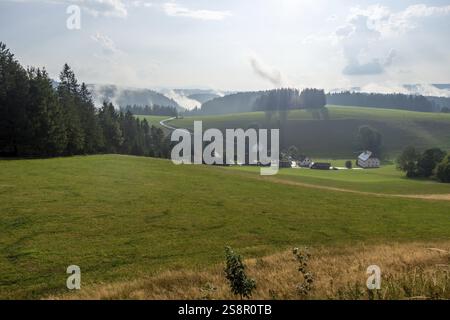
(154, 120)
(124, 218)
(385, 180)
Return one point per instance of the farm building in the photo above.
(305, 163)
(285, 164)
(320, 165)
(367, 160)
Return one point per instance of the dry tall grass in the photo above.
(409, 271)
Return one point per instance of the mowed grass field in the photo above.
(123, 218)
(384, 180)
(336, 137)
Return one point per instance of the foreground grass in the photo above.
(408, 271)
(122, 218)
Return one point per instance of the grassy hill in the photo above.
(336, 137)
(122, 218)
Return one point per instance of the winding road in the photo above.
(164, 124)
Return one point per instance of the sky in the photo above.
(235, 44)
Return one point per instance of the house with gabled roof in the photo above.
(367, 160)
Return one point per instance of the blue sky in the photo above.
(236, 44)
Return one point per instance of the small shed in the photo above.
(320, 165)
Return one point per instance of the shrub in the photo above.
(348, 164)
(302, 257)
(240, 284)
(428, 161)
(443, 170)
(407, 162)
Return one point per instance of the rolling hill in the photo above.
(335, 137)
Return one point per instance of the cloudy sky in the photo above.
(235, 44)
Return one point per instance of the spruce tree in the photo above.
(90, 123)
(68, 92)
(45, 118)
(13, 101)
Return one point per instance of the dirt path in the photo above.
(443, 197)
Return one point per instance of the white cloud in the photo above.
(107, 44)
(175, 10)
(115, 8)
(365, 28)
(107, 8)
(388, 23)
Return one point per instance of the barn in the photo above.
(366, 160)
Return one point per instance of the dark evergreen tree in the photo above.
(112, 133)
(46, 126)
(94, 140)
(379, 100)
(69, 98)
(13, 103)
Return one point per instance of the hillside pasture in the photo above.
(336, 137)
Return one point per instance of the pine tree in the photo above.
(13, 100)
(90, 122)
(68, 92)
(112, 133)
(45, 118)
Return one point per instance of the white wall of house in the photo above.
(369, 163)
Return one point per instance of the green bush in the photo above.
(302, 256)
(443, 170)
(240, 284)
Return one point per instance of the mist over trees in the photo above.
(37, 120)
(379, 100)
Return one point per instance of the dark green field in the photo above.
(336, 137)
(120, 218)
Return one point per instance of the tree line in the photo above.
(37, 120)
(380, 100)
(432, 163)
(287, 99)
(154, 110)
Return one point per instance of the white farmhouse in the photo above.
(366, 160)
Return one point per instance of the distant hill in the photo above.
(203, 97)
(442, 86)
